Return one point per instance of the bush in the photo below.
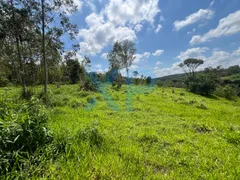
(88, 85)
(160, 83)
(148, 80)
(22, 132)
(227, 92)
(3, 81)
(203, 85)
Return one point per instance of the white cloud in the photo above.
(138, 27)
(158, 52)
(159, 26)
(158, 63)
(131, 11)
(100, 34)
(78, 3)
(116, 22)
(162, 18)
(106, 69)
(212, 3)
(226, 27)
(99, 71)
(91, 5)
(141, 57)
(98, 66)
(217, 58)
(104, 56)
(192, 53)
(190, 32)
(133, 67)
(94, 19)
(201, 15)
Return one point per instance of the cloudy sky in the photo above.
(165, 32)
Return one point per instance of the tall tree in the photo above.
(16, 28)
(126, 52)
(54, 23)
(190, 65)
(114, 58)
(122, 55)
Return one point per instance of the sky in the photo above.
(165, 32)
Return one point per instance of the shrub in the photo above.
(22, 132)
(227, 92)
(3, 80)
(160, 83)
(149, 80)
(202, 85)
(88, 84)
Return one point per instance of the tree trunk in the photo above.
(22, 74)
(43, 49)
(127, 75)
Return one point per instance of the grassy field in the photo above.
(142, 132)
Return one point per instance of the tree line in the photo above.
(207, 82)
(30, 44)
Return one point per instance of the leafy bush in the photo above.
(227, 92)
(22, 132)
(202, 85)
(148, 80)
(89, 84)
(160, 83)
(3, 80)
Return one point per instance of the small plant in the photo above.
(202, 106)
(202, 128)
(182, 94)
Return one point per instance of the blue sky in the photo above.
(165, 32)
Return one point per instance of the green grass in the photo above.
(163, 134)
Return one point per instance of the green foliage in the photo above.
(203, 85)
(3, 80)
(22, 131)
(160, 83)
(88, 84)
(227, 92)
(75, 71)
(148, 80)
(190, 65)
(233, 70)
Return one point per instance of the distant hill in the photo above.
(173, 77)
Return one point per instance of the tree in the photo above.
(54, 22)
(18, 36)
(135, 74)
(114, 58)
(126, 53)
(73, 67)
(122, 55)
(190, 65)
(233, 70)
(149, 80)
